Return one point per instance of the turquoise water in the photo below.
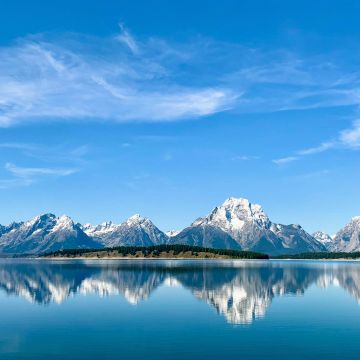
(179, 310)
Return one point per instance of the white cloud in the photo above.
(10, 183)
(285, 160)
(24, 176)
(18, 146)
(317, 149)
(351, 137)
(122, 78)
(29, 172)
(348, 138)
(79, 79)
(128, 39)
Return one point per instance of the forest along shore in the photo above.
(155, 252)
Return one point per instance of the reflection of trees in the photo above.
(240, 291)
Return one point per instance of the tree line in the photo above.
(156, 250)
(320, 255)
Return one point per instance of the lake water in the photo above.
(179, 310)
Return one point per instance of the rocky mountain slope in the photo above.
(241, 224)
(236, 224)
(348, 238)
(324, 238)
(135, 231)
(44, 233)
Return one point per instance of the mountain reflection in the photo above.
(239, 291)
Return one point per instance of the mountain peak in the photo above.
(233, 201)
(39, 219)
(347, 239)
(242, 203)
(135, 219)
(235, 212)
(65, 219)
(45, 233)
(64, 222)
(323, 237)
(172, 233)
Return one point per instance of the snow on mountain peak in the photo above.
(235, 212)
(234, 216)
(65, 219)
(236, 201)
(323, 237)
(355, 219)
(87, 227)
(63, 222)
(39, 219)
(137, 218)
(243, 208)
(102, 229)
(172, 233)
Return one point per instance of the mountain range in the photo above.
(236, 224)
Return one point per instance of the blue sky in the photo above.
(167, 108)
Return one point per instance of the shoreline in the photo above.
(142, 258)
(173, 258)
(324, 259)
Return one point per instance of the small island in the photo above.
(155, 252)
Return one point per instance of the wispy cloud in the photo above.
(54, 154)
(18, 146)
(31, 172)
(78, 78)
(24, 176)
(244, 158)
(317, 149)
(348, 138)
(285, 160)
(126, 38)
(122, 78)
(351, 137)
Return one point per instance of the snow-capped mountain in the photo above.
(249, 228)
(44, 233)
(348, 238)
(135, 231)
(103, 232)
(236, 224)
(170, 233)
(324, 238)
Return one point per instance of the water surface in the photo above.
(179, 309)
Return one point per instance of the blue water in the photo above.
(179, 310)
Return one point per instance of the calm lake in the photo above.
(179, 309)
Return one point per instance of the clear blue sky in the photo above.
(109, 108)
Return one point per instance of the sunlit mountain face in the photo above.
(240, 291)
